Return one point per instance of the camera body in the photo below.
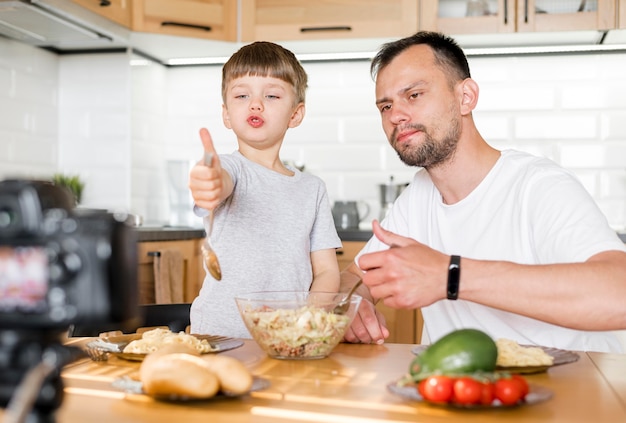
(59, 266)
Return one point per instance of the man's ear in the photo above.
(297, 116)
(469, 96)
(225, 117)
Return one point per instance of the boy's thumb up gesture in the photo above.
(205, 178)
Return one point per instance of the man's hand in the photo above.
(407, 275)
(206, 182)
(368, 326)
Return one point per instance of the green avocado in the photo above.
(459, 352)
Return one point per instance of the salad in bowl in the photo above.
(296, 324)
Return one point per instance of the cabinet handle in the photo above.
(186, 25)
(104, 3)
(325, 28)
(339, 252)
(506, 12)
(525, 11)
(154, 253)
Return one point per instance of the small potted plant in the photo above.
(71, 182)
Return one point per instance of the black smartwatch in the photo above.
(454, 275)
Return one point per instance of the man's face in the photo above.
(419, 109)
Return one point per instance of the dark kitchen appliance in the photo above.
(388, 194)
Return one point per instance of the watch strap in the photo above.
(454, 276)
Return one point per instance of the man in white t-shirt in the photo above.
(500, 241)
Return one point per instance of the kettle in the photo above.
(346, 214)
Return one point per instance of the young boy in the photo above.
(273, 228)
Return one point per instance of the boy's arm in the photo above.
(325, 270)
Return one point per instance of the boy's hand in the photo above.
(206, 182)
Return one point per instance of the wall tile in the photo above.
(613, 183)
(315, 129)
(94, 126)
(556, 126)
(494, 126)
(334, 158)
(520, 96)
(360, 130)
(582, 156)
(613, 125)
(589, 96)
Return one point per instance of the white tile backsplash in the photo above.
(95, 126)
(555, 126)
(613, 125)
(118, 125)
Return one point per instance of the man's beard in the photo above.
(430, 152)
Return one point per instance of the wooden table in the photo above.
(347, 387)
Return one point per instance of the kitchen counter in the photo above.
(168, 233)
(354, 234)
(176, 233)
(349, 385)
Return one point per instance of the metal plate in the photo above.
(132, 386)
(115, 345)
(560, 357)
(536, 394)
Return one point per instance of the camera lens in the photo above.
(6, 217)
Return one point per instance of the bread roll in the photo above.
(234, 377)
(179, 375)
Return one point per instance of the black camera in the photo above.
(59, 266)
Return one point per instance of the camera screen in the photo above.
(23, 279)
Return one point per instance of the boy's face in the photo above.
(260, 109)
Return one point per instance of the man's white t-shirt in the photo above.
(527, 210)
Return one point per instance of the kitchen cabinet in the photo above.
(210, 19)
(118, 11)
(294, 20)
(508, 16)
(621, 17)
(192, 269)
(405, 326)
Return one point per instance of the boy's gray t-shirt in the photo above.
(263, 235)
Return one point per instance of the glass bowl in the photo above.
(296, 325)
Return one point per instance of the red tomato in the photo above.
(438, 388)
(488, 393)
(420, 387)
(467, 390)
(509, 391)
(523, 384)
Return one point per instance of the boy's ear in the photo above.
(297, 116)
(225, 117)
